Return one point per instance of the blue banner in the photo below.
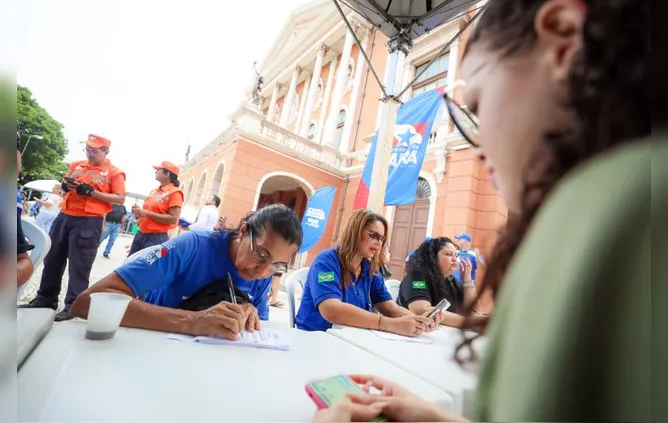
(315, 217)
(412, 129)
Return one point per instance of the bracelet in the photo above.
(380, 322)
(469, 285)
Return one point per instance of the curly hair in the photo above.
(608, 94)
(425, 257)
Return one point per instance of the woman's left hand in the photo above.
(466, 270)
(346, 411)
(253, 322)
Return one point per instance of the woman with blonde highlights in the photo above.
(343, 284)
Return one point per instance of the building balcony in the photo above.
(248, 123)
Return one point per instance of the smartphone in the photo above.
(325, 392)
(442, 305)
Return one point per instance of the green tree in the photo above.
(43, 159)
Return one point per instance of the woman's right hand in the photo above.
(224, 320)
(398, 403)
(408, 325)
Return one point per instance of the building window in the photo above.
(339, 128)
(423, 190)
(311, 131)
(435, 76)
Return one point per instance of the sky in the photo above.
(151, 76)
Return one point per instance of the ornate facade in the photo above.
(313, 128)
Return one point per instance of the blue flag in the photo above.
(412, 129)
(315, 217)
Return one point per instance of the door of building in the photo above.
(408, 231)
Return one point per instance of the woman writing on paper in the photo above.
(163, 278)
(431, 280)
(343, 284)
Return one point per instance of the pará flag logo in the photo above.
(412, 129)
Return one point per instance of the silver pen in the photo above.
(230, 286)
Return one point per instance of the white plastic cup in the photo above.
(105, 314)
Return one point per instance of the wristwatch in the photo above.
(469, 284)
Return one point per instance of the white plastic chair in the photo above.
(298, 277)
(40, 239)
(37, 237)
(393, 286)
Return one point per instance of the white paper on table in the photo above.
(273, 339)
(394, 337)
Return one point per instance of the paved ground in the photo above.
(103, 267)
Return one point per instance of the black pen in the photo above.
(230, 286)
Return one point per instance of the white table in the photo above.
(142, 376)
(433, 363)
(32, 324)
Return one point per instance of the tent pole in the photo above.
(399, 47)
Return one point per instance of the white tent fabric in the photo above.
(45, 185)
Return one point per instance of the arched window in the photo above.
(200, 189)
(217, 182)
(423, 190)
(189, 190)
(339, 128)
(311, 131)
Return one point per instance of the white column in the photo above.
(351, 114)
(325, 100)
(341, 80)
(313, 91)
(302, 105)
(453, 66)
(289, 98)
(272, 103)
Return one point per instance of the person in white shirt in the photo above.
(207, 217)
(50, 209)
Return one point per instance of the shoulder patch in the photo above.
(419, 285)
(325, 277)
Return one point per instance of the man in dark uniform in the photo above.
(91, 187)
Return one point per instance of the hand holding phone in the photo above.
(442, 305)
(325, 392)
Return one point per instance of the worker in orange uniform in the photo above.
(91, 187)
(161, 209)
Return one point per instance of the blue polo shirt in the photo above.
(472, 256)
(324, 282)
(175, 270)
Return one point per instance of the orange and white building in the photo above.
(314, 127)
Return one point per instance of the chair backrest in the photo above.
(40, 239)
(297, 278)
(393, 286)
(37, 237)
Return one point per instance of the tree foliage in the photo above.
(43, 159)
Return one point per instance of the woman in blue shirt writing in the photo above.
(167, 275)
(343, 284)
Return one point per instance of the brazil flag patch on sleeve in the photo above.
(325, 277)
(419, 285)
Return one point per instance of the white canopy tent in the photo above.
(43, 185)
(402, 21)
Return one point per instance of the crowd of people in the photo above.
(555, 102)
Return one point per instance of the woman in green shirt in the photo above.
(555, 96)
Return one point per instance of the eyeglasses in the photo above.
(376, 237)
(465, 121)
(94, 151)
(261, 258)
